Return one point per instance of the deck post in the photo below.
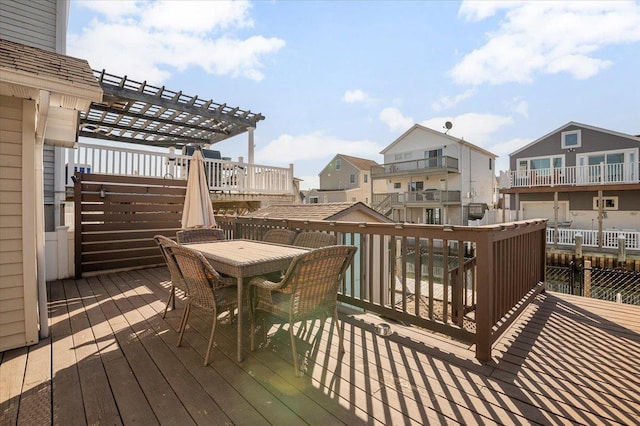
(485, 263)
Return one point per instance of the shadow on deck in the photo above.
(112, 359)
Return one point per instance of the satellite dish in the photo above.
(448, 125)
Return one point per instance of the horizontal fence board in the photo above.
(120, 254)
(93, 197)
(129, 207)
(118, 245)
(111, 189)
(131, 180)
(123, 264)
(132, 217)
(128, 226)
(129, 235)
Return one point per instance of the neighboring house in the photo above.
(578, 176)
(434, 178)
(345, 179)
(346, 212)
(41, 93)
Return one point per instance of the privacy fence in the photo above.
(469, 283)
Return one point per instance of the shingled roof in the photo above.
(47, 66)
(360, 163)
(320, 211)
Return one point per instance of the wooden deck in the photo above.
(112, 359)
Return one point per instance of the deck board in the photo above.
(112, 358)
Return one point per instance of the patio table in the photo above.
(246, 258)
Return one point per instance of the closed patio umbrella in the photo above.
(197, 212)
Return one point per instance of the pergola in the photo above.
(140, 113)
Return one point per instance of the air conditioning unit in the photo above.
(72, 168)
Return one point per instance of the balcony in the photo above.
(111, 357)
(434, 165)
(223, 175)
(385, 201)
(600, 174)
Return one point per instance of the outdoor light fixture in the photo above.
(103, 193)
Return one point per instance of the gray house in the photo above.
(579, 177)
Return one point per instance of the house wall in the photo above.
(30, 22)
(581, 212)
(18, 291)
(332, 178)
(591, 141)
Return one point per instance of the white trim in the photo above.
(583, 126)
(563, 137)
(29, 217)
(605, 199)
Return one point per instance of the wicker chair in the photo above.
(279, 236)
(207, 290)
(200, 235)
(314, 239)
(176, 279)
(308, 289)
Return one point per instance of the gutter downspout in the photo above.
(41, 124)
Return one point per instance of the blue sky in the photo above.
(350, 77)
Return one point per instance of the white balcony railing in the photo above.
(222, 175)
(590, 238)
(576, 175)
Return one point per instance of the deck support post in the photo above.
(485, 264)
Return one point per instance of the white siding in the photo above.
(12, 318)
(29, 22)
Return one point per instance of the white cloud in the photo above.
(353, 96)
(503, 149)
(545, 38)
(522, 108)
(393, 118)
(446, 102)
(309, 182)
(287, 148)
(156, 39)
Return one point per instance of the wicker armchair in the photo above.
(314, 239)
(308, 289)
(176, 279)
(279, 236)
(200, 235)
(207, 290)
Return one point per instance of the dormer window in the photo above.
(571, 140)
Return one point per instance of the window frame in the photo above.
(563, 139)
(612, 198)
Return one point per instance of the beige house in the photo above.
(41, 93)
(345, 179)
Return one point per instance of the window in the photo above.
(543, 166)
(490, 163)
(608, 203)
(338, 164)
(606, 166)
(397, 185)
(416, 186)
(352, 178)
(313, 200)
(571, 139)
(397, 157)
(434, 157)
(353, 199)
(366, 178)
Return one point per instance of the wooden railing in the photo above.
(411, 273)
(466, 282)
